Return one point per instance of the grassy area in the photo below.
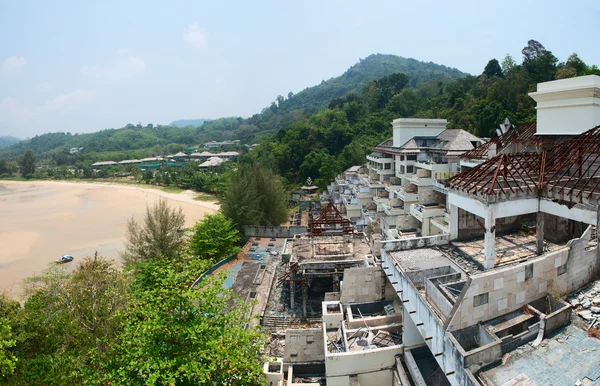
(205, 197)
(172, 189)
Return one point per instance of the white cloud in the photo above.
(69, 101)
(123, 69)
(13, 64)
(194, 36)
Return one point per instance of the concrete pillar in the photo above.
(425, 227)
(453, 222)
(292, 293)
(489, 240)
(539, 232)
(304, 297)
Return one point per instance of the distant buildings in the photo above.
(75, 150)
(215, 144)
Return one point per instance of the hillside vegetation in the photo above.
(6, 141)
(283, 112)
(329, 141)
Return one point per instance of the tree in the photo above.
(160, 234)
(7, 359)
(508, 64)
(255, 197)
(27, 163)
(214, 238)
(533, 50)
(174, 335)
(493, 69)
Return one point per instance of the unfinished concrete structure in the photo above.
(521, 236)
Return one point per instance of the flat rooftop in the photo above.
(565, 356)
(422, 259)
(329, 248)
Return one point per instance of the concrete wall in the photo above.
(407, 221)
(273, 231)
(418, 319)
(508, 289)
(560, 230)
(304, 345)
(429, 196)
(372, 367)
(362, 285)
(468, 228)
(416, 242)
(583, 263)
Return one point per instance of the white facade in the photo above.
(408, 128)
(568, 106)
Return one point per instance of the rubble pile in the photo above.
(587, 303)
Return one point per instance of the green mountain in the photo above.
(6, 141)
(282, 113)
(188, 122)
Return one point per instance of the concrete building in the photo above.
(518, 238)
(215, 144)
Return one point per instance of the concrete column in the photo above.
(292, 293)
(425, 227)
(539, 232)
(453, 222)
(489, 240)
(304, 297)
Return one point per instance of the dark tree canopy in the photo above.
(27, 163)
(493, 68)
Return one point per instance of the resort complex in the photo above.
(446, 259)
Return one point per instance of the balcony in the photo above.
(408, 196)
(432, 166)
(395, 210)
(421, 181)
(372, 184)
(442, 223)
(380, 157)
(422, 211)
(439, 181)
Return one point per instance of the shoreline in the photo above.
(43, 220)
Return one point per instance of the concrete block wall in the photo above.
(429, 196)
(559, 229)
(583, 264)
(304, 346)
(363, 285)
(508, 289)
(406, 221)
(469, 228)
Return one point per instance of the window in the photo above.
(388, 166)
(480, 300)
(409, 169)
(411, 157)
(401, 158)
(528, 271)
(561, 270)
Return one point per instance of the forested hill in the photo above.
(6, 141)
(189, 122)
(283, 112)
(326, 143)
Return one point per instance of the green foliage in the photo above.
(255, 197)
(7, 359)
(159, 235)
(6, 141)
(327, 142)
(184, 336)
(27, 163)
(214, 238)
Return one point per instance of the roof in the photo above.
(456, 140)
(129, 161)
(150, 159)
(212, 161)
(104, 163)
(180, 154)
(227, 153)
(203, 154)
(568, 169)
(524, 134)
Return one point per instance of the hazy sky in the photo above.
(83, 66)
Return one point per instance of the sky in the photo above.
(83, 66)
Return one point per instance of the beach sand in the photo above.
(43, 220)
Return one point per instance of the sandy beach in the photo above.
(42, 220)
